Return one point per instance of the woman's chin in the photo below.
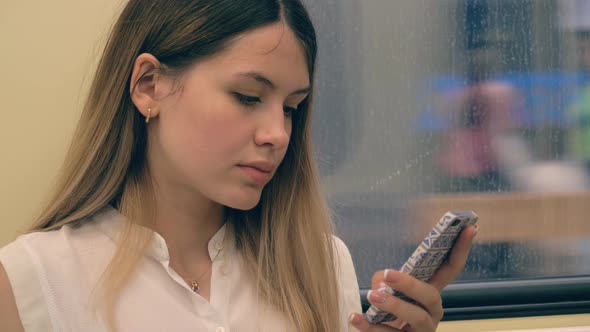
(243, 202)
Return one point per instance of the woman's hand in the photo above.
(412, 317)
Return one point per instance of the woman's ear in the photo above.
(143, 84)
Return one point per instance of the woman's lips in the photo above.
(255, 174)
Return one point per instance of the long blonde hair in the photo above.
(286, 240)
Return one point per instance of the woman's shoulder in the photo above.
(346, 277)
(342, 254)
(22, 291)
(51, 254)
(43, 268)
(88, 233)
(32, 252)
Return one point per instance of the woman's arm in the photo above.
(9, 318)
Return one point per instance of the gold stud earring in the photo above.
(147, 118)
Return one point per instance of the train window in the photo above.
(428, 106)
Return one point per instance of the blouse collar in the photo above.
(110, 221)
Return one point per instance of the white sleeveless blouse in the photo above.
(52, 275)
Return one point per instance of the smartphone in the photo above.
(428, 257)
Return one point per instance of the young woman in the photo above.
(189, 200)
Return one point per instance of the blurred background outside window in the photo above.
(426, 106)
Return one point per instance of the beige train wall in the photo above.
(48, 50)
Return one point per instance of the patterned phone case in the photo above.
(428, 257)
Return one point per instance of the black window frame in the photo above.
(469, 300)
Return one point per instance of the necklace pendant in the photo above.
(195, 287)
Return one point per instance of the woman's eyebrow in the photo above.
(265, 81)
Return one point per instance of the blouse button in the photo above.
(220, 329)
(219, 245)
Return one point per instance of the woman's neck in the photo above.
(187, 222)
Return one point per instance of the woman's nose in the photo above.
(274, 129)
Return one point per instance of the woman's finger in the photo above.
(423, 293)
(360, 323)
(377, 278)
(453, 266)
(397, 323)
(426, 314)
(415, 316)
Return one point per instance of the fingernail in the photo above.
(382, 285)
(475, 230)
(353, 318)
(392, 276)
(376, 297)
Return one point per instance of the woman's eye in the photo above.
(289, 111)
(247, 100)
(251, 101)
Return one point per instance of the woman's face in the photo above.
(223, 134)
